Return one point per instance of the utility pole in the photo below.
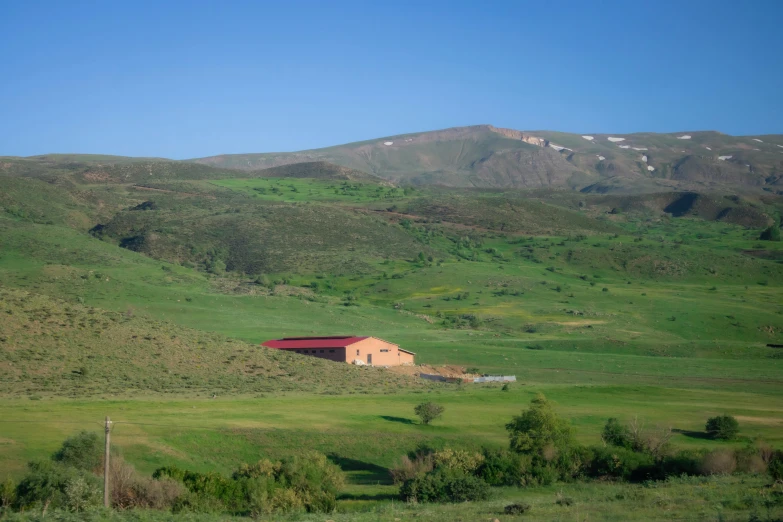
(106, 463)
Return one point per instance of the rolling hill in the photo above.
(487, 156)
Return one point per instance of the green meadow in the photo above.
(149, 305)
(300, 190)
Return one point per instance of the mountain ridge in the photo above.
(488, 156)
(485, 156)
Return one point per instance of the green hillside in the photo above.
(141, 290)
(58, 348)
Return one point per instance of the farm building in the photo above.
(350, 349)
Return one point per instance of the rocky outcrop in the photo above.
(519, 135)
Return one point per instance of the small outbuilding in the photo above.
(351, 349)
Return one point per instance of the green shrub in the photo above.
(7, 494)
(458, 460)
(428, 411)
(618, 462)
(775, 466)
(771, 233)
(408, 467)
(564, 501)
(538, 431)
(685, 462)
(503, 468)
(309, 482)
(547, 442)
(750, 459)
(81, 493)
(517, 508)
(723, 427)
(616, 434)
(443, 485)
(58, 485)
(83, 451)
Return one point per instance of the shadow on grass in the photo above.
(364, 496)
(401, 420)
(693, 434)
(361, 472)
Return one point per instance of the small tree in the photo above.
(775, 467)
(7, 494)
(616, 434)
(428, 411)
(83, 451)
(538, 430)
(771, 233)
(723, 427)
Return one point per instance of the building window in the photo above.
(312, 351)
(322, 351)
(357, 352)
(331, 351)
(384, 349)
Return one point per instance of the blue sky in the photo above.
(191, 79)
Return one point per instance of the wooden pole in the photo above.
(106, 463)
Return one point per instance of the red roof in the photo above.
(292, 343)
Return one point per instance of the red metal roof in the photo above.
(292, 343)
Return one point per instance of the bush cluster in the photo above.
(723, 427)
(542, 450)
(443, 476)
(428, 411)
(70, 480)
(65, 481)
(444, 485)
(309, 482)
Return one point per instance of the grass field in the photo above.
(367, 433)
(293, 190)
(630, 314)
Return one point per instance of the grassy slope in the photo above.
(599, 354)
(477, 156)
(55, 348)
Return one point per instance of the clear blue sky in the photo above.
(191, 79)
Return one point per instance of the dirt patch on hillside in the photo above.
(97, 176)
(153, 189)
(444, 371)
(766, 421)
(585, 322)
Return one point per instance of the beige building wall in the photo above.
(378, 353)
